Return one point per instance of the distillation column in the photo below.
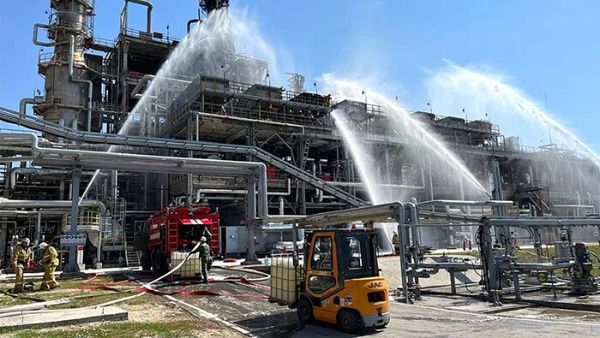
(68, 89)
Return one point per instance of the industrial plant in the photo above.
(142, 146)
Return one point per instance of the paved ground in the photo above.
(432, 316)
(246, 305)
(420, 321)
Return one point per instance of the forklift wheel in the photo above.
(304, 310)
(348, 321)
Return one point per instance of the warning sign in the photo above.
(73, 240)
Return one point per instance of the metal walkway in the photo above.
(38, 124)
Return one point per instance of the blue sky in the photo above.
(548, 49)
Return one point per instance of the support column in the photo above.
(124, 78)
(400, 218)
(190, 177)
(301, 163)
(502, 232)
(7, 183)
(72, 265)
(490, 273)
(251, 220)
(38, 228)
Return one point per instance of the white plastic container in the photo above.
(190, 268)
(284, 279)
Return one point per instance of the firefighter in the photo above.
(206, 256)
(396, 242)
(20, 259)
(49, 262)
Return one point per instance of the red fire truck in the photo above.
(176, 229)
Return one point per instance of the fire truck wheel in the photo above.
(162, 261)
(155, 260)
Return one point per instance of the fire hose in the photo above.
(149, 288)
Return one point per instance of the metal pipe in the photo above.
(574, 206)
(29, 100)
(149, 163)
(282, 207)
(401, 218)
(136, 141)
(38, 228)
(34, 171)
(467, 203)
(377, 213)
(148, 13)
(72, 266)
(36, 42)
(145, 79)
(199, 192)
(6, 203)
(16, 159)
(544, 221)
(243, 119)
(190, 22)
(29, 213)
(383, 185)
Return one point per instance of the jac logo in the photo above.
(374, 285)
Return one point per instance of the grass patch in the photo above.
(180, 328)
(8, 301)
(93, 299)
(75, 290)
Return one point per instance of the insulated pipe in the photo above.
(38, 228)
(243, 119)
(383, 185)
(29, 213)
(282, 207)
(34, 171)
(149, 163)
(200, 192)
(6, 203)
(136, 141)
(401, 218)
(414, 217)
(467, 203)
(36, 42)
(376, 213)
(89, 82)
(148, 13)
(136, 90)
(29, 100)
(16, 159)
(574, 206)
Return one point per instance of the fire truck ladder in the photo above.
(54, 129)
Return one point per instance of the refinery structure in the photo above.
(119, 147)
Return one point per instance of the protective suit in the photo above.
(19, 261)
(49, 262)
(206, 258)
(396, 242)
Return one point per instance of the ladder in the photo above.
(305, 151)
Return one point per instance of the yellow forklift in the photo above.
(338, 279)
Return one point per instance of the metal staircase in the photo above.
(131, 256)
(54, 129)
(305, 149)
